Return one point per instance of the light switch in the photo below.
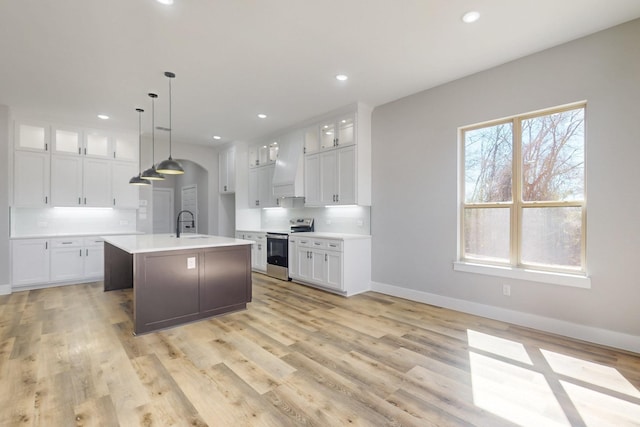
(191, 263)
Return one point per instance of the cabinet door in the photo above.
(293, 258)
(66, 180)
(67, 140)
(223, 172)
(318, 268)
(97, 183)
(346, 176)
(32, 136)
(328, 178)
(346, 131)
(31, 179)
(125, 148)
(265, 186)
(67, 263)
(334, 269)
(304, 263)
(231, 170)
(97, 144)
(254, 201)
(311, 140)
(312, 180)
(124, 195)
(327, 135)
(29, 262)
(94, 261)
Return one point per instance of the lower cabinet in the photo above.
(29, 262)
(341, 266)
(258, 249)
(40, 262)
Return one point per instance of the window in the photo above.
(523, 191)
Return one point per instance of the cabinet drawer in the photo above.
(334, 245)
(66, 243)
(93, 241)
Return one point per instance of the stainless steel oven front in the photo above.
(278, 255)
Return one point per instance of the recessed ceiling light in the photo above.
(262, 116)
(341, 77)
(217, 137)
(470, 17)
(167, 2)
(103, 116)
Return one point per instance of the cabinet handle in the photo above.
(225, 188)
(325, 257)
(114, 202)
(46, 200)
(79, 150)
(46, 147)
(79, 201)
(337, 197)
(87, 252)
(46, 245)
(85, 200)
(333, 246)
(114, 154)
(85, 151)
(80, 252)
(67, 243)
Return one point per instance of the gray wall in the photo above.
(414, 213)
(4, 196)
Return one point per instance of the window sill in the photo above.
(574, 280)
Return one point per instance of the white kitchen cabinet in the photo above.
(227, 170)
(93, 258)
(338, 159)
(258, 249)
(66, 180)
(97, 143)
(67, 262)
(29, 262)
(31, 176)
(96, 183)
(340, 265)
(67, 140)
(31, 135)
(125, 147)
(261, 187)
(330, 177)
(293, 257)
(123, 194)
(288, 175)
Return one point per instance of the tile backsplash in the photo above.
(339, 219)
(27, 222)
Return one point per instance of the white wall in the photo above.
(414, 213)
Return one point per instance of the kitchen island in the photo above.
(178, 280)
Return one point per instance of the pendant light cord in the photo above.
(139, 110)
(170, 125)
(153, 132)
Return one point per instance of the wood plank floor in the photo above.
(298, 356)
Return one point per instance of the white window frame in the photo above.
(515, 269)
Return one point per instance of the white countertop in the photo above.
(70, 235)
(141, 243)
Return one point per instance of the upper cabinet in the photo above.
(227, 170)
(338, 131)
(263, 154)
(69, 166)
(32, 136)
(337, 167)
(288, 176)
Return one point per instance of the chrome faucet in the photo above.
(178, 222)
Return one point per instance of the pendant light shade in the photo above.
(151, 173)
(170, 166)
(138, 180)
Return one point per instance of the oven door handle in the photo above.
(278, 236)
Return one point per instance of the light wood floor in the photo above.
(298, 356)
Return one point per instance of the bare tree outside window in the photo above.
(524, 191)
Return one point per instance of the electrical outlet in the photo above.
(506, 290)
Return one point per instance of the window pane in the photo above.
(552, 236)
(486, 234)
(553, 157)
(488, 154)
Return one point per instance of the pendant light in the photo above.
(152, 174)
(138, 180)
(170, 166)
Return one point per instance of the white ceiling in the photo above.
(233, 59)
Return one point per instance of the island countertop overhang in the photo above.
(143, 243)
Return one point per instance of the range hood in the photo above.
(288, 176)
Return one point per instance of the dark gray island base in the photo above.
(172, 287)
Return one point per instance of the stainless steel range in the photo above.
(278, 248)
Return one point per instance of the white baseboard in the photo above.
(573, 330)
(5, 289)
